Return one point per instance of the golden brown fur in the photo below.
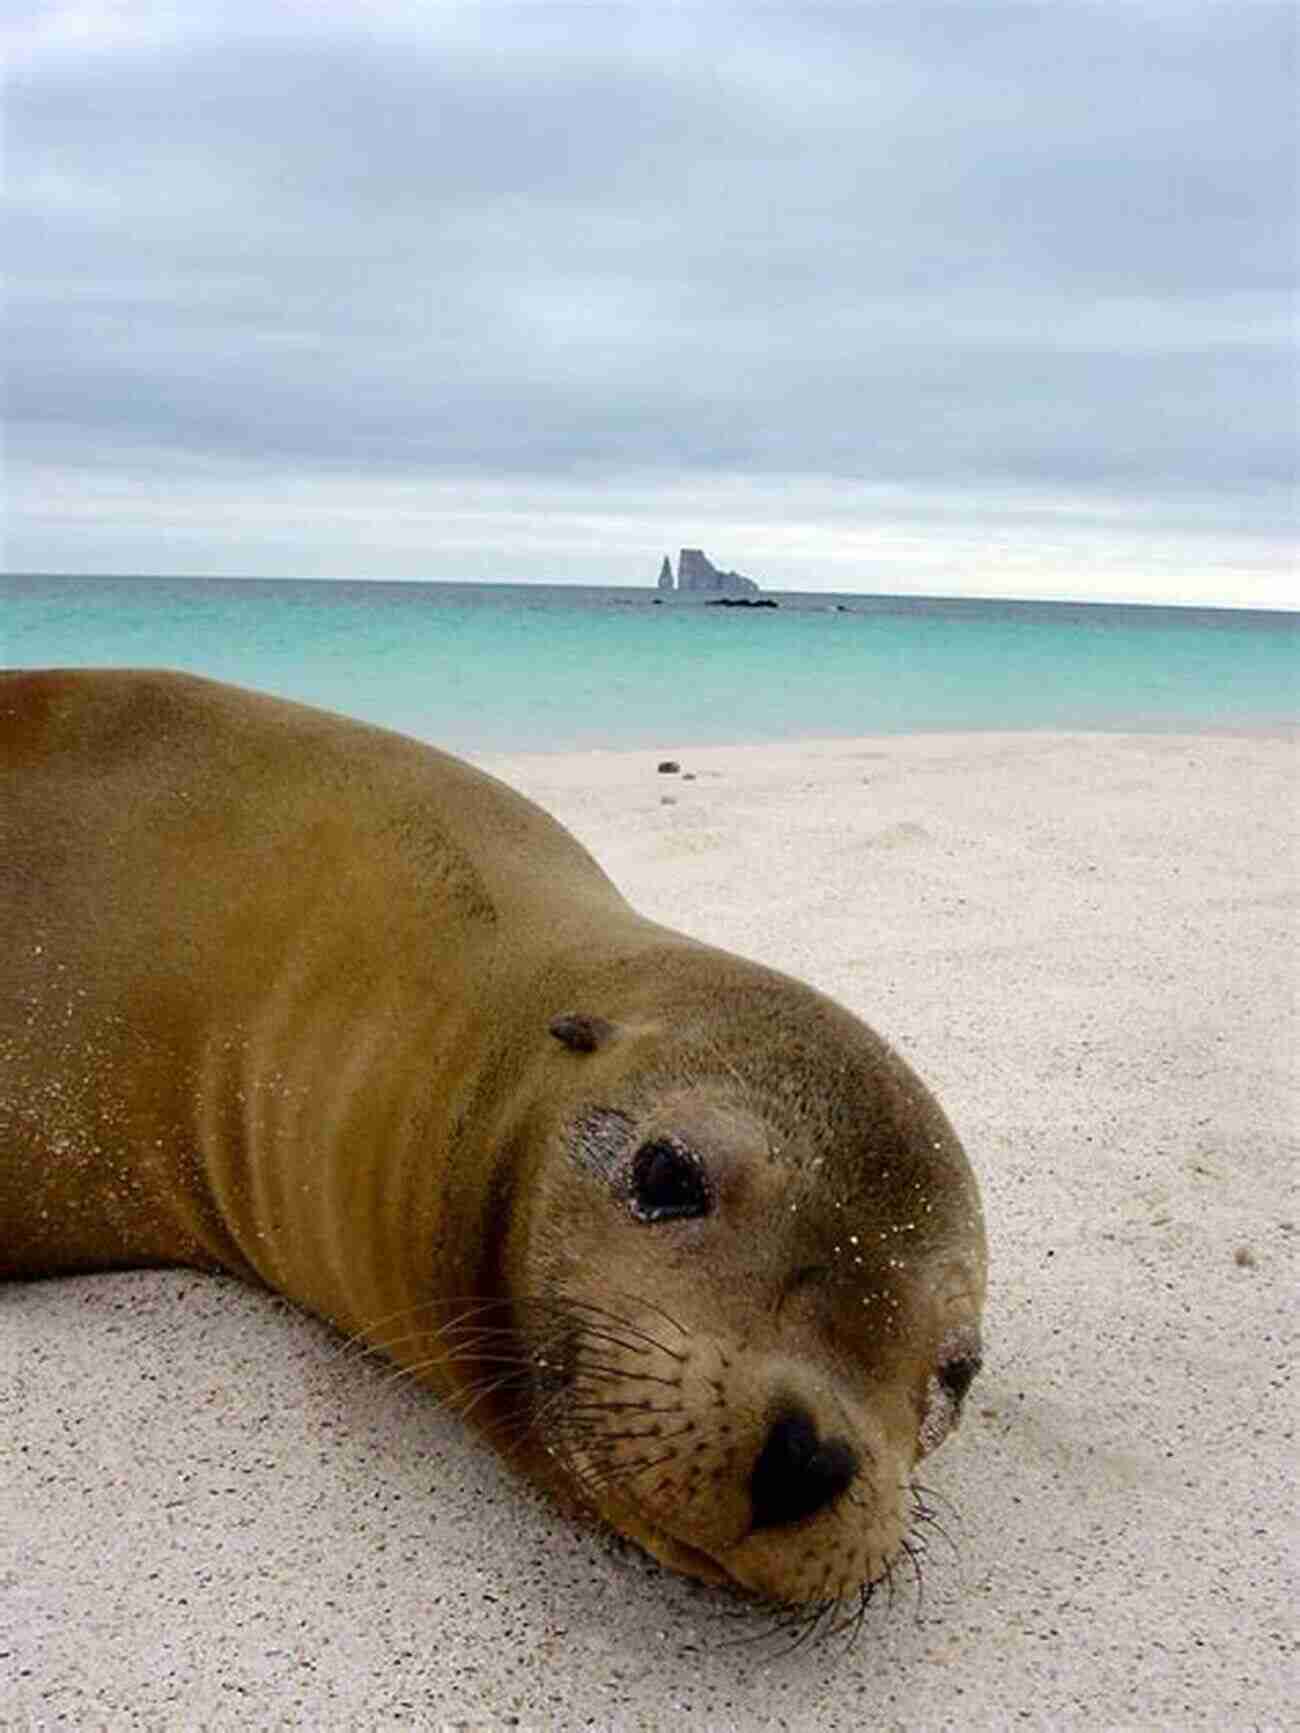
(303, 1000)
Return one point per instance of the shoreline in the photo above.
(1281, 729)
(1086, 944)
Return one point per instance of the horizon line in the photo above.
(651, 590)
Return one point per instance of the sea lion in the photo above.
(310, 1002)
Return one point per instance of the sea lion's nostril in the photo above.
(958, 1374)
(796, 1474)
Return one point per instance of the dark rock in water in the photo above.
(742, 602)
(669, 767)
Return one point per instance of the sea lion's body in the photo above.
(306, 1001)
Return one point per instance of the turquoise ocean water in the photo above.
(524, 667)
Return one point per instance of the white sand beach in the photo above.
(212, 1516)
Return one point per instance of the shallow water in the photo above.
(509, 667)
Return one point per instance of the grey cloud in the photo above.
(866, 241)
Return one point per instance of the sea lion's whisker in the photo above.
(406, 1374)
(483, 1391)
(361, 1338)
(388, 1346)
(601, 1476)
(814, 1633)
(615, 1474)
(653, 1306)
(617, 1332)
(597, 1368)
(914, 1559)
(854, 1620)
(369, 1338)
(465, 1329)
(523, 1361)
(621, 1408)
(865, 1594)
(617, 1322)
(777, 1622)
(472, 1311)
(584, 1332)
(627, 1437)
(932, 1492)
(647, 1345)
(931, 1522)
(806, 1626)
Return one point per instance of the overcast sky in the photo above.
(970, 298)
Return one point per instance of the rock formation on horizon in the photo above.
(698, 576)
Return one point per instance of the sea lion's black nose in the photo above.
(797, 1475)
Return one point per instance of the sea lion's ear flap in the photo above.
(582, 1034)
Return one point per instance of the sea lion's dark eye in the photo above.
(667, 1183)
(957, 1376)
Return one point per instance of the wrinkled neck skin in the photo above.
(358, 1150)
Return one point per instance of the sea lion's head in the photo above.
(758, 1259)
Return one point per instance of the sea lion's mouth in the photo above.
(722, 1466)
(703, 1566)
